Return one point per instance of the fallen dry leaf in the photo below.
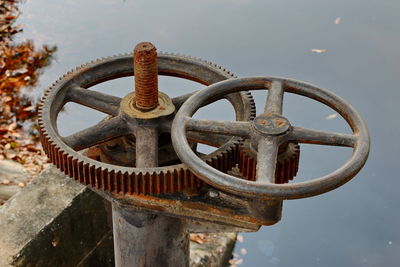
(12, 126)
(318, 51)
(235, 262)
(55, 243)
(331, 116)
(198, 238)
(12, 155)
(30, 108)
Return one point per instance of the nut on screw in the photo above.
(146, 76)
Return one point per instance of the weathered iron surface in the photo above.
(62, 151)
(145, 239)
(129, 110)
(286, 167)
(213, 208)
(166, 240)
(266, 140)
(179, 191)
(146, 76)
(146, 115)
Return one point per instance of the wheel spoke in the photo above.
(274, 99)
(237, 128)
(102, 102)
(179, 100)
(101, 132)
(215, 140)
(311, 136)
(266, 160)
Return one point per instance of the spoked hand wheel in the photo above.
(266, 133)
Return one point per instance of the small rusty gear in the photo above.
(127, 180)
(286, 168)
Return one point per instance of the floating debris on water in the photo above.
(318, 51)
(331, 116)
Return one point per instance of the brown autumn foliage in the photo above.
(21, 64)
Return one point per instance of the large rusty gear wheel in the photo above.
(72, 87)
(286, 167)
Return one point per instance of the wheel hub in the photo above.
(129, 108)
(271, 124)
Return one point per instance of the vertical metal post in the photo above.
(144, 239)
(140, 238)
(146, 147)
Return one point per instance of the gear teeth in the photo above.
(199, 59)
(286, 167)
(253, 110)
(154, 183)
(289, 164)
(134, 183)
(60, 160)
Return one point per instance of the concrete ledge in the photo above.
(11, 174)
(55, 221)
(215, 250)
(51, 222)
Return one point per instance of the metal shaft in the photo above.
(146, 147)
(140, 238)
(143, 239)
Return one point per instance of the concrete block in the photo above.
(54, 221)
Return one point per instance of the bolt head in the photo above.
(271, 124)
(129, 109)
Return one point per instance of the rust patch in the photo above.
(146, 76)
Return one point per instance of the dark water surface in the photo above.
(355, 225)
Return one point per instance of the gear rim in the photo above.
(127, 180)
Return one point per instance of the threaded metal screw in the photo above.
(146, 76)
